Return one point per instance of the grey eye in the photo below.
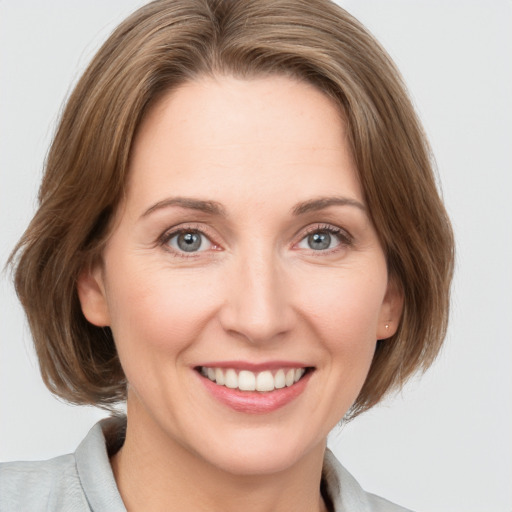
(322, 239)
(189, 241)
(319, 241)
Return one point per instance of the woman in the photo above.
(239, 234)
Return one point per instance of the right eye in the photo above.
(188, 241)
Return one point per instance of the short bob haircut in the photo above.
(167, 43)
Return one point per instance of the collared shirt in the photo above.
(84, 481)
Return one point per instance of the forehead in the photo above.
(257, 135)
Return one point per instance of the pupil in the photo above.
(189, 242)
(319, 241)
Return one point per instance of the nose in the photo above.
(257, 306)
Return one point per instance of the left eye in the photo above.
(320, 240)
(189, 241)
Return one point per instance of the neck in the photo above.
(154, 472)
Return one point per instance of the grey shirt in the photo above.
(83, 481)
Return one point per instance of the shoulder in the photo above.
(78, 482)
(44, 485)
(346, 493)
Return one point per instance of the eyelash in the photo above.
(344, 238)
(169, 235)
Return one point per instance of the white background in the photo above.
(445, 442)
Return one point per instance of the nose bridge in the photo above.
(257, 301)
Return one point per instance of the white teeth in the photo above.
(219, 376)
(246, 380)
(265, 381)
(290, 377)
(279, 379)
(230, 379)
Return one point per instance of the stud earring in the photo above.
(387, 326)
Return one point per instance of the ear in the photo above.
(391, 310)
(92, 296)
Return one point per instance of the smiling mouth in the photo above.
(246, 380)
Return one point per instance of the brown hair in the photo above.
(166, 43)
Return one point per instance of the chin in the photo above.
(261, 453)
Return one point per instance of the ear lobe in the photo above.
(91, 293)
(391, 311)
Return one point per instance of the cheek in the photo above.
(345, 309)
(157, 311)
(341, 309)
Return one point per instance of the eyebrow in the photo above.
(321, 203)
(215, 208)
(211, 207)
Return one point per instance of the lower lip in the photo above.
(256, 402)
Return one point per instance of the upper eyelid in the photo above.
(179, 228)
(324, 226)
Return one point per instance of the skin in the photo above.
(255, 291)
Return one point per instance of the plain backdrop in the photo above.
(444, 443)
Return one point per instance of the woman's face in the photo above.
(243, 254)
